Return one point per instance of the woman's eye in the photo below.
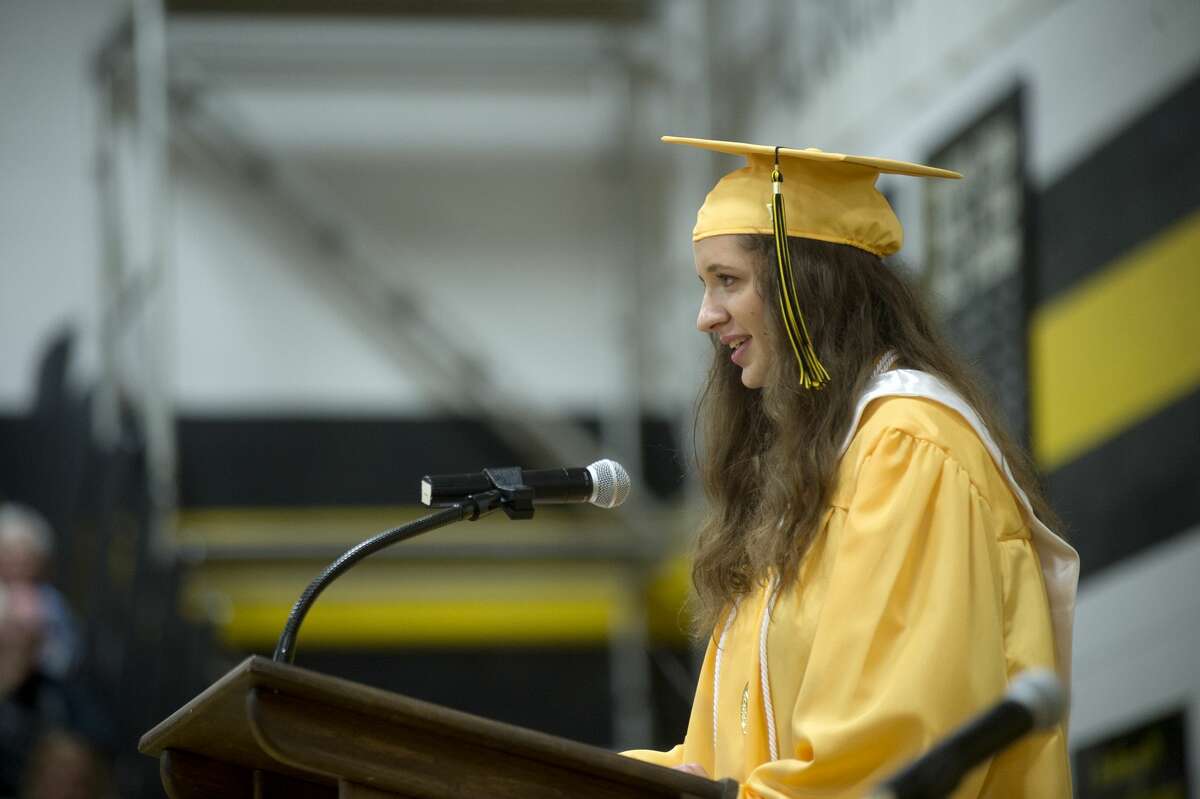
(726, 280)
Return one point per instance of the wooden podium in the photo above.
(268, 729)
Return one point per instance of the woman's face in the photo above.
(732, 307)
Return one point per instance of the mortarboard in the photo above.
(829, 196)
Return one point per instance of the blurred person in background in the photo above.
(876, 563)
(51, 733)
(26, 545)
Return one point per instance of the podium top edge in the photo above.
(215, 723)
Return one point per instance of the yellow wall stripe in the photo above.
(1118, 348)
(397, 603)
(347, 525)
(382, 624)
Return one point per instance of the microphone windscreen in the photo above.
(1041, 693)
(610, 483)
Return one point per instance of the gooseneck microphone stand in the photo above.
(508, 493)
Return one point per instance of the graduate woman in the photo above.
(874, 567)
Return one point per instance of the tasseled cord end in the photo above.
(812, 373)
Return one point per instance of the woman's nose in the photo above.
(711, 317)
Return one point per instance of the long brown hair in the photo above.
(771, 455)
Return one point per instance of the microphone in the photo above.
(605, 483)
(1034, 701)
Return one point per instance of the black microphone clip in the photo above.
(515, 497)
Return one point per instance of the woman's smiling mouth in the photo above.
(740, 345)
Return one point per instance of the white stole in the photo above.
(1059, 560)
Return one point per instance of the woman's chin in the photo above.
(751, 379)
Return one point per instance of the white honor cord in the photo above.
(768, 709)
(764, 675)
(717, 670)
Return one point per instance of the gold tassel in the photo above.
(812, 373)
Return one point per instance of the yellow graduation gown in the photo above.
(922, 597)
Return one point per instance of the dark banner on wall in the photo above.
(977, 251)
(1149, 760)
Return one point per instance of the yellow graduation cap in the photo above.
(829, 197)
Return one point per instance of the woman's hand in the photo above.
(693, 768)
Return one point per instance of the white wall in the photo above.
(517, 260)
(477, 160)
(491, 185)
(1137, 644)
(48, 235)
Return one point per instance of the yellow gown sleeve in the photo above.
(910, 639)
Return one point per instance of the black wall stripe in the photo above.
(1137, 489)
(273, 461)
(1130, 188)
(560, 690)
(302, 461)
(358, 461)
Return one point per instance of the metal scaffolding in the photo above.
(156, 105)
